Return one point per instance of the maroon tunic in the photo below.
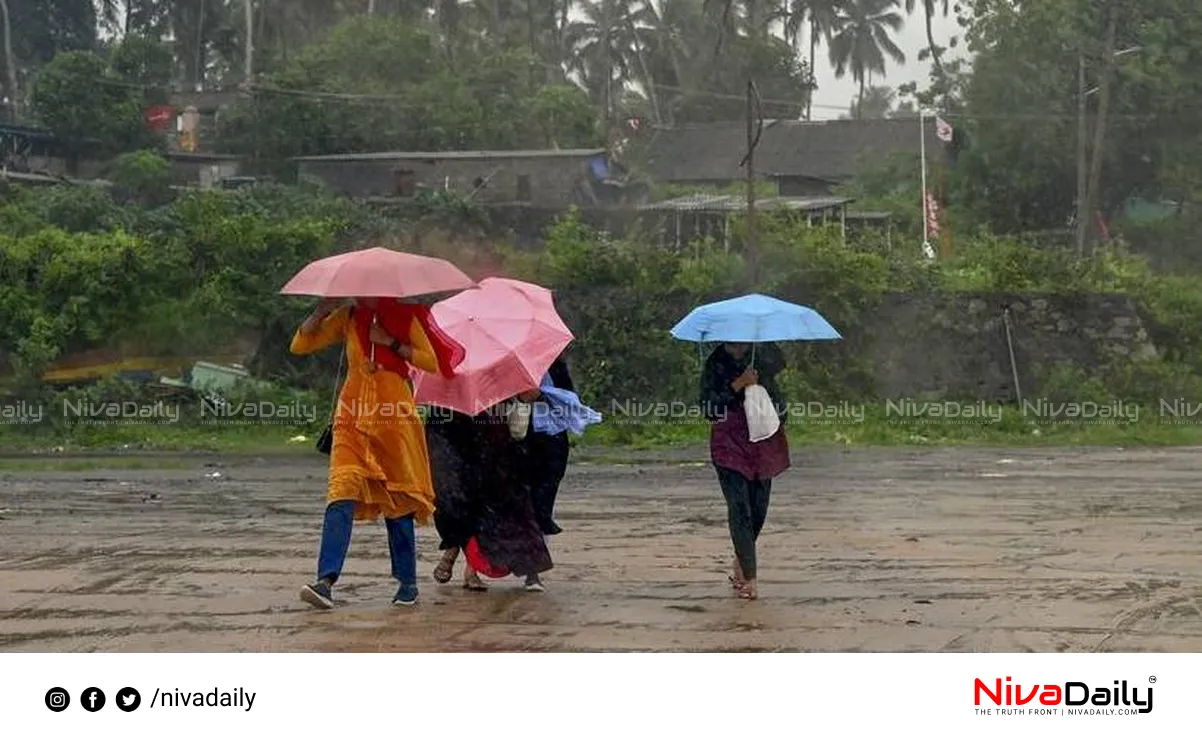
(731, 448)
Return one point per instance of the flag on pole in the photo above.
(943, 130)
(932, 215)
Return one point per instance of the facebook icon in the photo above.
(92, 699)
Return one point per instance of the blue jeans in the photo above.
(336, 540)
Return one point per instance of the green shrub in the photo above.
(144, 173)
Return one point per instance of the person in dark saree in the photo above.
(745, 469)
(482, 505)
(454, 453)
(546, 458)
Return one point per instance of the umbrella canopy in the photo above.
(755, 318)
(512, 334)
(377, 272)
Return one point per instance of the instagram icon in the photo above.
(57, 699)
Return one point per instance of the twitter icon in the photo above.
(128, 699)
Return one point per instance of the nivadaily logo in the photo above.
(1072, 697)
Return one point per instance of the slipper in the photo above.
(442, 573)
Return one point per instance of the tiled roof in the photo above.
(824, 150)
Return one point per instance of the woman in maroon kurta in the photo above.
(745, 469)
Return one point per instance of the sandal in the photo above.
(748, 592)
(472, 582)
(442, 573)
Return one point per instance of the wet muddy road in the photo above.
(865, 550)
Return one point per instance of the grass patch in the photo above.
(855, 425)
(250, 440)
(876, 425)
(76, 464)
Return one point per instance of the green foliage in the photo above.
(144, 173)
(80, 272)
(91, 108)
(380, 85)
(83, 272)
(69, 208)
(1065, 383)
(1017, 171)
(565, 117)
(449, 209)
(714, 88)
(44, 28)
(146, 62)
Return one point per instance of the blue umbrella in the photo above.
(754, 318)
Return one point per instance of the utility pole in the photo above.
(1094, 183)
(753, 251)
(1082, 206)
(10, 65)
(609, 73)
(250, 39)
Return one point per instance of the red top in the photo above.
(396, 318)
(731, 448)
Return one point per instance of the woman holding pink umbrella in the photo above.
(513, 336)
(379, 464)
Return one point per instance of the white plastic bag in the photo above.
(519, 419)
(762, 420)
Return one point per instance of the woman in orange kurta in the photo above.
(379, 465)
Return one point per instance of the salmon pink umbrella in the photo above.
(512, 334)
(377, 272)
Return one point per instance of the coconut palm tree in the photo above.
(929, 8)
(818, 16)
(10, 63)
(601, 41)
(861, 40)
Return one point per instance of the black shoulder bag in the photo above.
(325, 442)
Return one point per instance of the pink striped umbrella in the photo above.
(512, 334)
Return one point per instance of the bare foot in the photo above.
(736, 578)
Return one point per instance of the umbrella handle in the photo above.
(375, 320)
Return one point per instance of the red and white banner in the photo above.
(932, 214)
(159, 118)
(944, 130)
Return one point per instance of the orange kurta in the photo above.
(379, 457)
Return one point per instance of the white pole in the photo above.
(922, 146)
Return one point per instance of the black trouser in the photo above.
(746, 509)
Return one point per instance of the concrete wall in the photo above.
(938, 346)
(954, 345)
(201, 170)
(552, 179)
